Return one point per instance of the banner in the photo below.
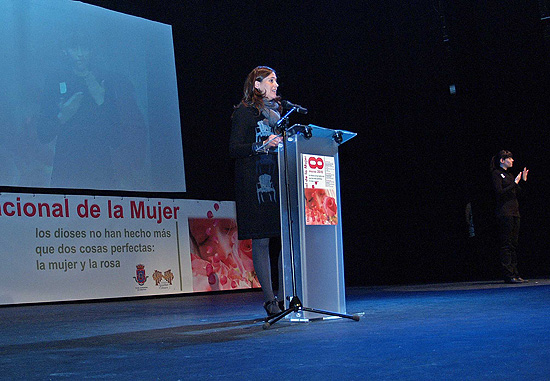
(56, 247)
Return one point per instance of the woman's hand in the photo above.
(96, 89)
(68, 109)
(518, 178)
(273, 140)
(524, 174)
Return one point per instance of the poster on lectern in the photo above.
(320, 189)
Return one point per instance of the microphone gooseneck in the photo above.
(288, 105)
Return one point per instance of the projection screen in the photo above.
(89, 99)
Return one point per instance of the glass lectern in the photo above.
(312, 239)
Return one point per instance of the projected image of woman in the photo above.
(506, 187)
(94, 116)
(256, 175)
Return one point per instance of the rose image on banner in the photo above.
(220, 261)
(321, 208)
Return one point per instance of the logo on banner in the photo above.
(158, 277)
(140, 277)
(316, 162)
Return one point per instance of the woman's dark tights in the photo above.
(262, 265)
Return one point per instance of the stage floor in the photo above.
(458, 331)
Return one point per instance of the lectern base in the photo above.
(297, 307)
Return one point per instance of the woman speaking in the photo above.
(253, 145)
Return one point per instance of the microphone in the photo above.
(286, 105)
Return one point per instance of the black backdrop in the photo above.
(382, 70)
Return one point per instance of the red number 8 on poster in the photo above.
(316, 163)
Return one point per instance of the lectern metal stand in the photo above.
(313, 271)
